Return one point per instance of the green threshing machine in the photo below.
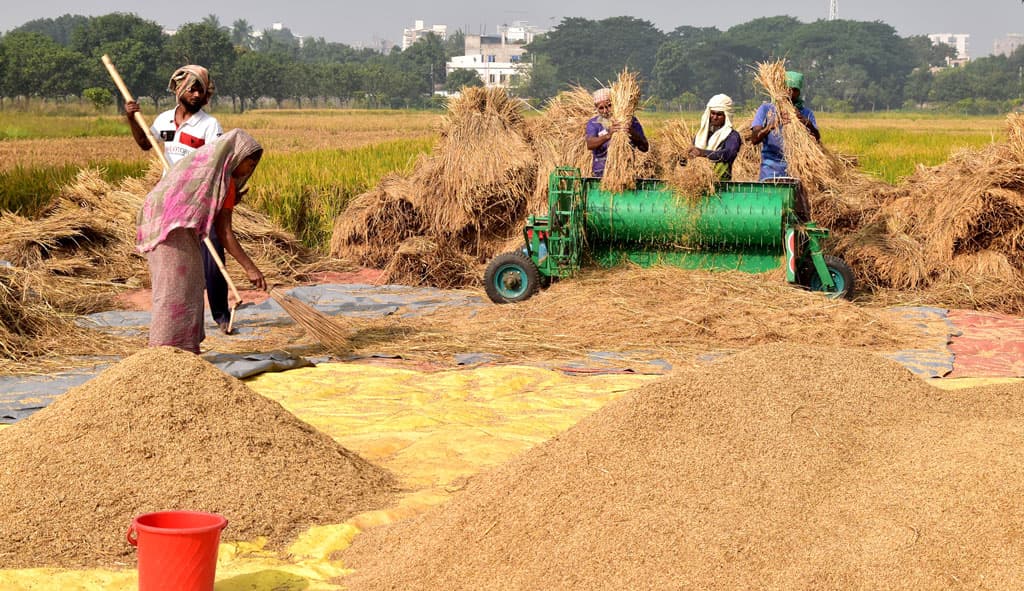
(746, 226)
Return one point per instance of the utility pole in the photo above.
(833, 10)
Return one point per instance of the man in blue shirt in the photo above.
(716, 140)
(766, 129)
(601, 128)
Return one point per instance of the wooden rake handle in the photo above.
(138, 115)
(167, 165)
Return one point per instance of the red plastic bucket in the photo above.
(177, 549)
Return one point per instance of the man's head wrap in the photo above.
(602, 94)
(706, 140)
(186, 76)
(720, 102)
(795, 80)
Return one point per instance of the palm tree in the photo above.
(213, 20)
(241, 33)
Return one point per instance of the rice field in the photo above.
(316, 160)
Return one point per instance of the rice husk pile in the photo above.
(620, 171)
(782, 467)
(953, 233)
(165, 430)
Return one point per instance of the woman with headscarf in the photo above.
(194, 199)
(183, 130)
(765, 129)
(716, 140)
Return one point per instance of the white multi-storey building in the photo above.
(960, 41)
(1007, 44)
(410, 36)
(497, 59)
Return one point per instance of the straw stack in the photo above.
(620, 171)
(421, 261)
(558, 140)
(376, 221)
(954, 232)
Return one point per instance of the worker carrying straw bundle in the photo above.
(767, 128)
(610, 120)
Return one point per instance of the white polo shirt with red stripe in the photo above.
(196, 131)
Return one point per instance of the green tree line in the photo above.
(848, 65)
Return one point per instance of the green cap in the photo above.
(795, 80)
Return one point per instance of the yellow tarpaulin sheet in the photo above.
(432, 429)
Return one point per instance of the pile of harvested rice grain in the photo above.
(165, 430)
(782, 467)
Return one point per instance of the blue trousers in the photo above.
(216, 286)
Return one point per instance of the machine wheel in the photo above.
(841, 274)
(511, 277)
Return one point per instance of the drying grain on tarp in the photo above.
(620, 169)
(782, 467)
(164, 430)
(665, 311)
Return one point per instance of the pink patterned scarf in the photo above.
(192, 192)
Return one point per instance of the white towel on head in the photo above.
(719, 102)
(602, 94)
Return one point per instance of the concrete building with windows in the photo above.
(960, 41)
(1007, 44)
(418, 30)
(497, 59)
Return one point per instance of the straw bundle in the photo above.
(482, 169)
(558, 140)
(376, 222)
(747, 166)
(329, 331)
(620, 168)
(689, 177)
(421, 261)
(806, 158)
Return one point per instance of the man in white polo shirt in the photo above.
(184, 129)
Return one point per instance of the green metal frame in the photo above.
(743, 226)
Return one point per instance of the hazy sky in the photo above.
(364, 22)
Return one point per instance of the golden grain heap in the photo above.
(164, 430)
(782, 467)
